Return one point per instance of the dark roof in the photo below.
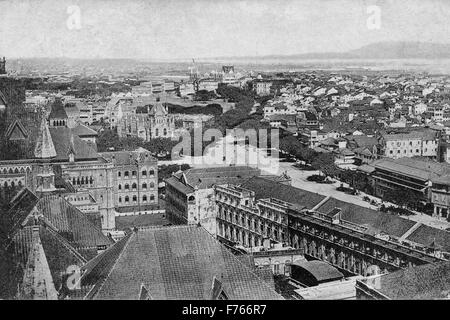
(123, 158)
(143, 220)
(74, 225)
(426, 236)
(265, 188)
(430, 281)
(58, 111)
(320, 270)
(177, 263)
(84, 131)
(385, 222)
(61, 137)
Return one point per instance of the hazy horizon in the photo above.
(201, 29)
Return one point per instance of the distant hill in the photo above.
(379, 50)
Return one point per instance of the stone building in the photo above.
(190, 194)
(156, 122)
(135, 181)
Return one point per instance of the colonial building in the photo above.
(155, 123)
(244, 221)
(135, 181)
(422, 143)
(190, 194)
(38, 153)
(354, 239)
(415, 176)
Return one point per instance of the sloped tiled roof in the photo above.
(430, 281)
(416, 168)
(72, 223)
(427, 235)
(58, 111)
(123, 158)
(207, 177)
(265, 188)
(179, 263)
(84, 131)
(385, 222)
(62, 141)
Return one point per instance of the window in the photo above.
(127, 199)
(134, 198)
(120, 187)
(133, 173)
(152, 185)
(120, 199)
(152, 198)
(126, 174)
(144, 198)
(119, 174)
(156, 132)
(127, 187)
(134, 186)
(144, 186)
(144, 173)
(151, 172)
(165, 132)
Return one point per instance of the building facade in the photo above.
(134, 179)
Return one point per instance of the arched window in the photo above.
(16, 170)
(127, 186)
(119, 174)
(120, 187)
(20, 183)
(134, 186)
(165, 132)
(74, 181)
(152, 185)
(152, 197)
(144, 186)
(78, 180)
(144, 173)
(133, 173)
(152, 172)
(134, 198)
(127, 199)
(126, 174)
(120, 199)
(91, 180)
(144, 198)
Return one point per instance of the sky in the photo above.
(185, 29)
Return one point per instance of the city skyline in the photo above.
(164, 30)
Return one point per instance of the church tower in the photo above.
(44, 151)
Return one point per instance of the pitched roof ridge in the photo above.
(239, 261)
(110, 270)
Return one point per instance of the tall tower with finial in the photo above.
(3, 66)
(44, 151)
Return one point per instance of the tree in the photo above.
(324, 162)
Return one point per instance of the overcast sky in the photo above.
(168, 29)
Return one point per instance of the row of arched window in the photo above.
(144, 173)
(16, 170)
(134, 198)
(12, 184)
(82, 181)
(134, 186)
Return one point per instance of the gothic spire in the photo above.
(44, 148)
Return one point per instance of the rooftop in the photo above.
(180, 263)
